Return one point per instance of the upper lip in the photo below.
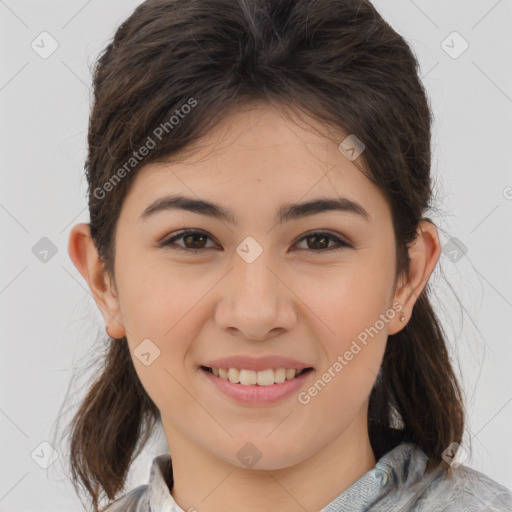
(256, 363)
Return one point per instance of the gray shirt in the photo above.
(395, 484)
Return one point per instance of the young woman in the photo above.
(259, 174)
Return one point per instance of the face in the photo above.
(315, 287)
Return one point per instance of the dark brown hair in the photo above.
(337, 61)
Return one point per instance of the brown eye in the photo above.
(318, 241)
(193, 241)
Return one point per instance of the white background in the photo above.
(50, 321)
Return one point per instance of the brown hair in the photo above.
(335, 60)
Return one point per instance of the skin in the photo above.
(306, 303)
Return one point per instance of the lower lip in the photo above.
(255, 394)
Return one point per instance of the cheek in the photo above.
(352, 298)
(166, 308)
(352, 356)
(352, 326)
(159, 301)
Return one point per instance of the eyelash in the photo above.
(169, 242)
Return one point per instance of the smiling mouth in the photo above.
(266, 377)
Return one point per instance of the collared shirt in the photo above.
(397, 483)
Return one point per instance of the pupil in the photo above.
(191, 237)
(321, 237)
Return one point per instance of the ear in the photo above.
(424, 254)
(83, 253)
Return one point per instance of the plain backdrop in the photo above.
(49, 320)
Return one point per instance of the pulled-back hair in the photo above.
(176, 68)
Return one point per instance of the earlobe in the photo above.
(423, 254)
(85, 257)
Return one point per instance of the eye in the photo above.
(195, 241)
(321, 239)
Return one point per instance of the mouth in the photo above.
(268, 377)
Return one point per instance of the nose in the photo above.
(256, 302)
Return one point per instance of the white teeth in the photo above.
(290, 373)
(248, 377)
(265, 377)
(279, 375)
(234, 375)
(251, 377)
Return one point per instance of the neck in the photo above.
(202, 481)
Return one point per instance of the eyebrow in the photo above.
(287, 212)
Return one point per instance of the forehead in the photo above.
(258, 156)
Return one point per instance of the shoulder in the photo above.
(135, 500)
(468, 490)
(461, 489)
